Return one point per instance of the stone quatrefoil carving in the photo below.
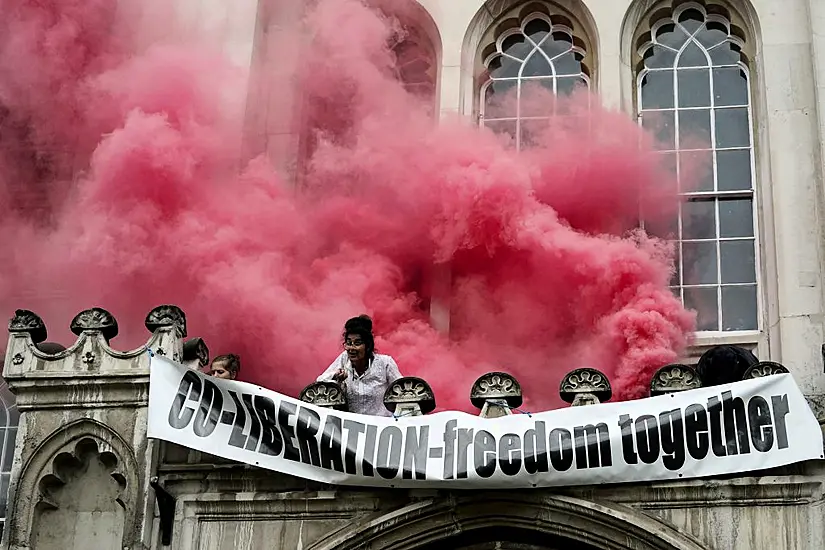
(71, 462)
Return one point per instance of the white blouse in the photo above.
(365, 392)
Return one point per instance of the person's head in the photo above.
(226, 366)
(358, 340)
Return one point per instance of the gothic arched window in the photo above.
(536, 50)
(9, 418)
(694, 92)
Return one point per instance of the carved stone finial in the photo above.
(95, 319)
(165, 316)
(674, 378)
(496, 385)
(765, 368)
(585, 387)
(409, 396)
(325, 394)
(28, 321)
(195, 350)
(495, 393)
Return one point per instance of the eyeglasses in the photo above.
(353, 344)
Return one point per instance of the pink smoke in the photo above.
(141, 203)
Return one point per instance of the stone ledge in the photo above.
(712, 493)
(256, 506)
(88, 392)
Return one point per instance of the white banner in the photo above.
(746, 426)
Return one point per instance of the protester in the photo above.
(365, 375)
(226, 366)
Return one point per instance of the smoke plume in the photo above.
(121, 187)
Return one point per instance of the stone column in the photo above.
(274, 105)
(789, 126)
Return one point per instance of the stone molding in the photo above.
(600, 525)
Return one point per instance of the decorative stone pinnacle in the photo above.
(411, 394)
(765, 368)
(95, 319)
(674, 378)
(28, 321)
(166, 316)
(585, 386)
(500, 389)
(325, 394)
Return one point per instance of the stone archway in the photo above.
(83, 469)
(516, 521)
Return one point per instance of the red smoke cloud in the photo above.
(121, 190)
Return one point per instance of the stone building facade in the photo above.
(749, 73)
(84, 475)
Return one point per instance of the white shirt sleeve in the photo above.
(393, 373)
(327, 375)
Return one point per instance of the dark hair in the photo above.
(361, 326)
(724, 364)
(232, 362)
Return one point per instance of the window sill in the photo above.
(703, 341)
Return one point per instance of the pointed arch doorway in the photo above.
(501, 538)
(510, 521)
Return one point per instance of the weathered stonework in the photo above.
(83, 408)
(585, 387)
(82, 437)
(85, 476)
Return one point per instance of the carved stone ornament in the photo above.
(325, 394)
(585, 386)
(95, 319)
(765, 368)
(410, 389)
(17, 359)
(195, 348)
(496, 385)
(166, 316)
(28, 321)
(674, 378)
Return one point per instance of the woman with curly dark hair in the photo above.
(364, 374)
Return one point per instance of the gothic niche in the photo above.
(81, 501)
